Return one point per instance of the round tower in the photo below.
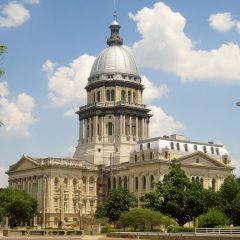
(115, 117)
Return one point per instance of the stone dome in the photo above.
(114, 59)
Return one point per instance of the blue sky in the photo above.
(187, 52)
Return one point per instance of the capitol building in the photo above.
(114, 149)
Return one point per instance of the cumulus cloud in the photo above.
(165, 46)
(48, 67)
(16, 114)
(161, 124)
(238, 27)
(222, 22)
(152, 91)
(13, 14)
(3, 177)
(66, 84)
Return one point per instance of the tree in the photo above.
(17, 205)
(2, 51)
(176, 196)
(143, 218)
(118, 201)
(230, 199)
(213, 218)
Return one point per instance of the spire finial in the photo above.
(115, 15)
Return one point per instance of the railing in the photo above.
(217, 231)
(112, 104)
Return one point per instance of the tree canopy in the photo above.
(176, 196)
(143, 218)
(17, 205)
(118, 201)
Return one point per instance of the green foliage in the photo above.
(2, 51)
(143, 218)
(213, 218)
(176, 197)
(18, 206)
(176, 229)
(230, 199)
(119, 200)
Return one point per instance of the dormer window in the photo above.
(123, 76)
(178, 146)
(172, 145)
(186, 147)
(212, 150)
(109, 76)
(195, 147)
(204, 149)
(217, 151)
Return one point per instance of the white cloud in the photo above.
(3, 177)
(48, 67)
(165, 46)
(32, 2)
(66, 84)
(16, 114)
(70, 151)
(70, 112)
(13, 14)
(238, 27)
(222, 22)
(151, 91)
(161, 124)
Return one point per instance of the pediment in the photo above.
(200, 159)
(24, 163)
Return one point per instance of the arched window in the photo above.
(134, 97)
(65, 183)
(112, 95)
(144, 182)
(91, 184)
(214, 184)
(110, 128)
(152, 181)
(172, 145)
(201, 181)
(125, 182)
(84, 180)
(74, 184)
(217, 151)
(197, 179)
(141, 146)
(56, 183)
(114, 183)
(195, 147)
(136, 183)
(129, 96)
(186, 147)
(193, 179)
(120, 182)
(123, 96)
(108, 95)
(98, 96)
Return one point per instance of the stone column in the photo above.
(124, 125)
(70, 206)
(120, 125)
(137, 128)
(130, 125)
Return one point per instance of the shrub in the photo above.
(176, 229)
(213, 218)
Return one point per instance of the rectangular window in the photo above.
(98, 96)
